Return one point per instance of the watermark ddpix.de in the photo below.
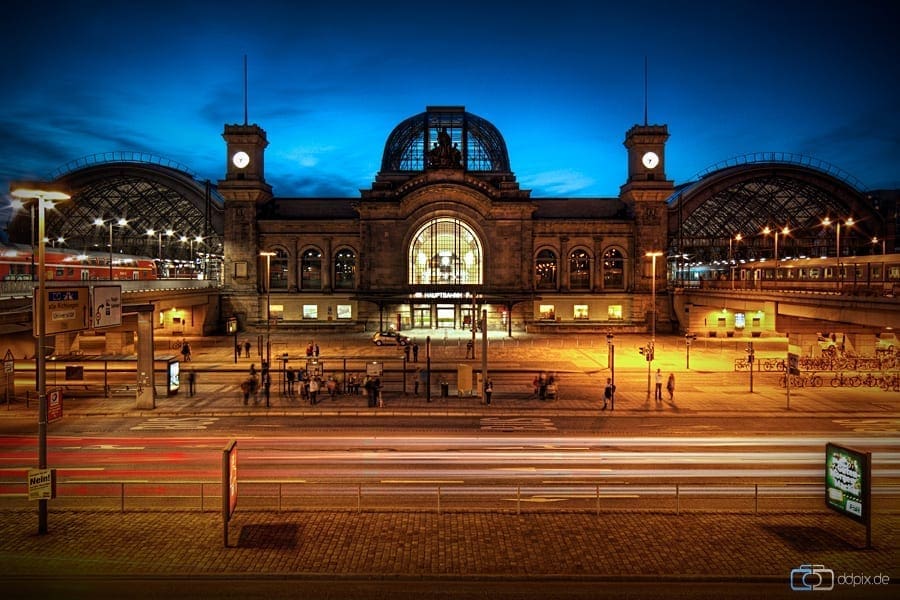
(818, 578)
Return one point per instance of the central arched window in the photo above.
(311, 270)
(579, 270)
(445, 251)
(345, 269)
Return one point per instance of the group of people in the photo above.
(609, 392)
(413, 348)
(257, 381)
(545, 385)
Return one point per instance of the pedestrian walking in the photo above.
(470, 349)
(238, 349)
(267, 384)
(406, 351)
(247, 349)
(488, 390)
(254, 388)
(331, 386)
(670, 386)
(542, 386)
(309, 349)
(186, 350)
(658, 386)
(245, 390)
(316, 350)
(415, 350)
(609, 395)
(192, 380)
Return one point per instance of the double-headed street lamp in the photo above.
(42, 197)
(837, 245)
(784, 231)
(121, 222)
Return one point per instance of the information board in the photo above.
(65, 310)
(107, 306)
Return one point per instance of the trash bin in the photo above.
(445, 389)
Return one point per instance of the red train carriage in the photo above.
(18, 261)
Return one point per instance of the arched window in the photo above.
(311, 270)
(579, 270)
(545, 269)
(445, 251)
(345, 269)
(613, 269)
(278, 274)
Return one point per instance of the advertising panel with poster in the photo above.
(848, 482)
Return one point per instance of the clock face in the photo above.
(650, 160)
(240, 159)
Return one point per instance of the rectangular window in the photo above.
(276, 312)
(614, 312)
(740, 320)
(548, 312)
(310, 311)
(344, 311)
(581, 311)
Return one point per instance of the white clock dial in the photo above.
(240, 159)
(650, 160)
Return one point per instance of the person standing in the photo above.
(609, 395)
(670, 387)
(247, 349)
(488, 390)
(658, 386)
(406, 350)
(313, 389)
(415, 350)
(186, 350)
(267, 385)
(290, 381)
(192, 380)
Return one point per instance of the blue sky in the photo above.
(561, 80)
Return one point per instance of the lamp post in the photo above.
(612, 369)
(653, 256)
(735, 238)
(837, 246)
(268, 256)
(121, 222)
(41, 196)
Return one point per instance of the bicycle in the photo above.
(840, 381)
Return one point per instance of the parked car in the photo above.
(887, 342)
(389, 338)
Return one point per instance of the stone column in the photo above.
(146, 394)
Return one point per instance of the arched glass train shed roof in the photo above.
(743, 196)
(149, 192)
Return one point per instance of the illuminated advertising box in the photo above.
(848, 482)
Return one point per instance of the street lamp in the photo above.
(875, 241)
(652, 347)
(611, 359)
(837, 246)
(784, 231)
(735, 238)
(121, 222)
(42, 197)
(268, 256)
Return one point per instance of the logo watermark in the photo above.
(818, 578)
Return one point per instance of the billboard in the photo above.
(848, 482)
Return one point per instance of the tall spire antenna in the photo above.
(245, 90)
(645, 89)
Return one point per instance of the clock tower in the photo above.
(646, 192)
(244, 189)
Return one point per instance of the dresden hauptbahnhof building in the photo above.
(445, 231)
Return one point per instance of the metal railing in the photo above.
(405, 496)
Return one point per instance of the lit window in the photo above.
(344, 311)
(548, 312)
(310, 311)
(545, 268)
(445, 251)
(614, 312)
(581, 311)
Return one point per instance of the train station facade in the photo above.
(445, 231)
